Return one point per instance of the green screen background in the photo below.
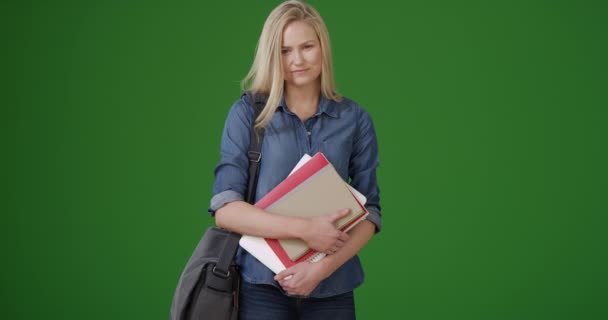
(491, 119)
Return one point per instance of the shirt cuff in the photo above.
(375, 217)
(221, 199)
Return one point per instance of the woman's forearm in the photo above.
(243, 218)
(359, 236)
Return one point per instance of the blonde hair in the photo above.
(266, 75)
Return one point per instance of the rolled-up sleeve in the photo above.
(363, 164)
(231, 173)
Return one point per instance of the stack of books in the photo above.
(312, 189)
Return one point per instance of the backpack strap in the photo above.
(255, 146)
(255, 155)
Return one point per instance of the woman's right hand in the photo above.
(322, 234)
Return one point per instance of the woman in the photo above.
(303, 114)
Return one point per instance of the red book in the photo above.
(312, 190)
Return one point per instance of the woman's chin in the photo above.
(300, 82)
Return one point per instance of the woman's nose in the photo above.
(297, 57)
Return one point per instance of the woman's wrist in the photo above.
(328, 265)
(299, 228)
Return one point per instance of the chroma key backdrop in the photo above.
(491, 118)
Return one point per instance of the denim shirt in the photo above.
(343, 131)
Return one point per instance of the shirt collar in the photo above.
(325, 106)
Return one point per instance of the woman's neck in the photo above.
(302, 101)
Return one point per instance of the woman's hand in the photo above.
(302, 278)
(322, 234)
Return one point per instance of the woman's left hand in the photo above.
(302, 278)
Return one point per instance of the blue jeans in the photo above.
(263, 302)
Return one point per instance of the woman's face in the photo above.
(301, 54)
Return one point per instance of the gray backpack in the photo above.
(208, 288)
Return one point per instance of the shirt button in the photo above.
(308, 132)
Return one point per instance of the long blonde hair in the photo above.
(266, 75)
